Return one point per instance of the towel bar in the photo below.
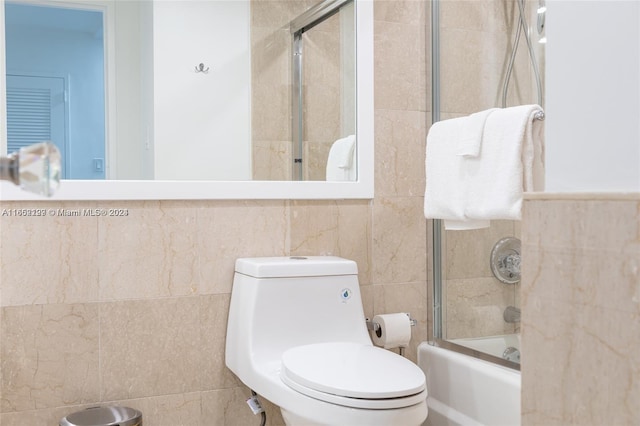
(539, 115)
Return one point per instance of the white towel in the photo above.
(341, 163)
(490, 186)
(471, 133)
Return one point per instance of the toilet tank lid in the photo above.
(295, 266)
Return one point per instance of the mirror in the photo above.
(267, 97)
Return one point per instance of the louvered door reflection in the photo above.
(36, 112)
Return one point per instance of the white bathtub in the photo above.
(494, 345)
(468, 391)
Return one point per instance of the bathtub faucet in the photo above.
(511, 314)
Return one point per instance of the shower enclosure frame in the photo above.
(435, 337)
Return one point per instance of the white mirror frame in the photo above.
(363, 188)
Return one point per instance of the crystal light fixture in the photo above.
(35, 168)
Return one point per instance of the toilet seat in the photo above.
(353, 375)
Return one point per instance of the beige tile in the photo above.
(399, 240)
(474, 87)
(270, 55)
(150, 253)
(277, 13)
(578, 224)
(400, 141)
(272, 160)
(409, 298)
(400, 11)
(581, 317)
(49, 416)
(470, 15)
(228, 230)
(580, 366)
(270, 83)
(400, 66)
(367, 294)
(228, 407)
(183, 409)
(150, 347)
(486, 15)
(166, 410)
(321, 59)
(322, 111)
(475, 307)
(468, 253)
(337, 228)
(214, 312)
(600, 265)
(49, 356)
(271, 107)
(479, 84)
(51, 258)
(315, 157)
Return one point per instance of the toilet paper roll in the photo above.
(394, 332)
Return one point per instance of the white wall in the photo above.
(593, 96)
(202, 120)
(132, 153)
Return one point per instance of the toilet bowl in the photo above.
(297, 336)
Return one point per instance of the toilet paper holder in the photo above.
(375, 327)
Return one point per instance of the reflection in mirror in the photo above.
(323, 106)
(133, 102)
(51, 54)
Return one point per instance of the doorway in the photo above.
(56, 83)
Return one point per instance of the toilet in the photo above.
(297, 336)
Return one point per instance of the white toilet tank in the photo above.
(281, 302)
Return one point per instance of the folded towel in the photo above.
(472, 190)
(471, 133)
(465, 225)
(445, 179)
(341, 163)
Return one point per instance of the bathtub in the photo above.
(464, 390)
(494, 345)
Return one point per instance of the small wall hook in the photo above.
(200, 68)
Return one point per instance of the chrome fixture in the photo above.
(34, 168)
(511, 314)
(542, 11)
(375, 327)
(505, 260)
(511, 354)
(200, 68)
(523, 28)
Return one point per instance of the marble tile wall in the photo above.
(133, 309)
(581, 310)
